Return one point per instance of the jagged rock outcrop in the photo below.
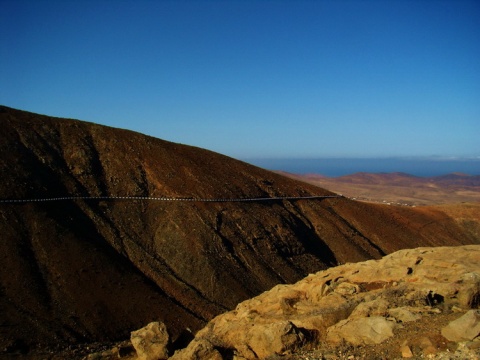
(79, 271)
(359, 304)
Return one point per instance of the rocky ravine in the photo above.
(418, 303)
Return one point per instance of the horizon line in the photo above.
(400, 157)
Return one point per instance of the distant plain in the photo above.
(457, 196)
(400, 188)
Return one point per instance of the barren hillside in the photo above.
(83, 270)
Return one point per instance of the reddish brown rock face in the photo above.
(94, 270)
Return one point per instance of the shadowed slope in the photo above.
(85, 270)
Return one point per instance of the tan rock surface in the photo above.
(200, 349)
(361, 331)
(373, 302)
(151, 341)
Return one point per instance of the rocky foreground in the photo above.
(416, 303)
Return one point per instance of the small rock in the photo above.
(198, 349)
(376, 307)
(371, 330)
(275, 338)
(426, 345)
(151, 341)
(470, 291)
(424, 342)
(346, 288)
(465, 328)
(404, 315)
(94, 356)
(456, 309)
(406, 351)
(430, 350)
(473, 345)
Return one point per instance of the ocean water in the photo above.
(345, 166)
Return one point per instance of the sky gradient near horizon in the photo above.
(255, 79)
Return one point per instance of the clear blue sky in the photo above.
(255, 78)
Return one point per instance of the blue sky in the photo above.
(254, 79)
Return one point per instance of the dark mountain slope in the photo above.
(93, 270)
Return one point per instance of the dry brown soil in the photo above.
(400, 188)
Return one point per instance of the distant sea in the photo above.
(334, 167)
